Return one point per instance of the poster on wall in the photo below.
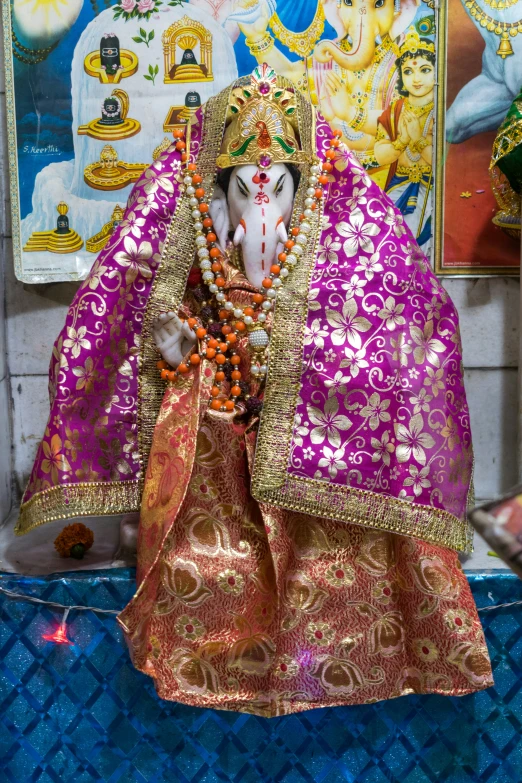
(483, 77)
(95, 89)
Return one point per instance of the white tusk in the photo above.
(239, 234)
(281, 231)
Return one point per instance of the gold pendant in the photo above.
(504, 48)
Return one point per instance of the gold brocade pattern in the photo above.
(286, 343)
(261, 610)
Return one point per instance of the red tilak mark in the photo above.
(263, 249)
(264, 226)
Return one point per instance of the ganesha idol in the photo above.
(263, 363)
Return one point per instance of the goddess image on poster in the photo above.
(404, 139)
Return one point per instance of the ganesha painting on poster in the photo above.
(126, 73)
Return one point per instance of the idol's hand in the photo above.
(413, 127)
(173, 337)
(403, 130)
(252, 17)
(339, 97)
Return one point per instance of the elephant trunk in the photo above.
(260, 243)
(361, 53)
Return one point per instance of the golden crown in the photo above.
(413, 43)
(261, 124)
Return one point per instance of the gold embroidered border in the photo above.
(271, 480)
(108, 498)
(286, 343)
(67, 501)
(171, 278)
(361, 507)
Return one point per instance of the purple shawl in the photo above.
(365, 418)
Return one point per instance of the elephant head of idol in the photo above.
(361, 25)
(254, 206)
(258, 176)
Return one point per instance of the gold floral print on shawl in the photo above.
(472, 660)
(340, 677)
(194, 674)
(386, 635)
(182, 580)
(341, 618)
(377, 553)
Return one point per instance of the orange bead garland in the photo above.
(262, 301)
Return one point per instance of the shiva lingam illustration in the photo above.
(60, 240)
(113, 123)
(109, 173)
(179, 116)
(110, 64)
(99, 240)
(186, 34)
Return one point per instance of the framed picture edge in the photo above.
(441, 8)
(12, 147)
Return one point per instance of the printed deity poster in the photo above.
(96, 88)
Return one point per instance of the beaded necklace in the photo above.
(237, 322)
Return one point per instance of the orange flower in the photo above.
(75, 535)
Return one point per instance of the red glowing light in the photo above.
(58, 637)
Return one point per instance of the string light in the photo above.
(59, 636)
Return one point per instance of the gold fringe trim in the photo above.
(361, 507)
(271, 480)
(67, 501)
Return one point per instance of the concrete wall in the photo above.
(489, 313)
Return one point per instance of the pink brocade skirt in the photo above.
(266, 611)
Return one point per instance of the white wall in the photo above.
(489, 314)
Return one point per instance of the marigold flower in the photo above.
(74, 541)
